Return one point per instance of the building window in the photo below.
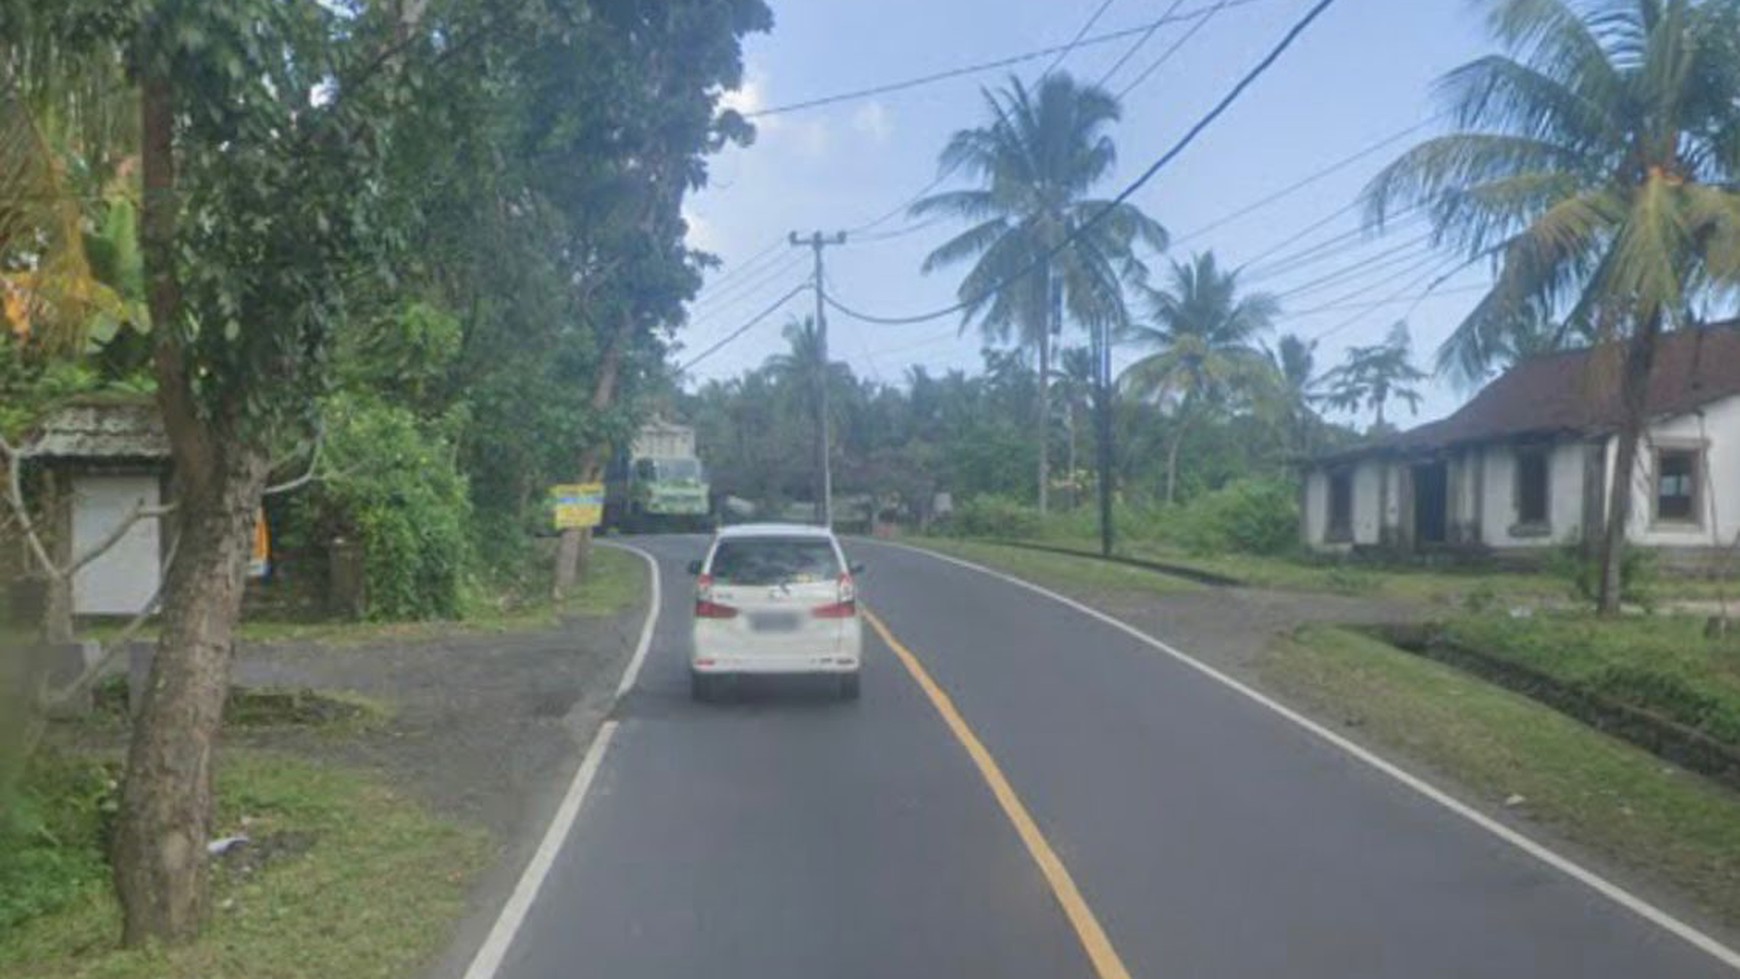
(1677, 493)
(1533, 488)
(1340, 525)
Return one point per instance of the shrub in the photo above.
(400, 495)
(995, 517)
(1248, 516)
(1637, 573)
(53, 834)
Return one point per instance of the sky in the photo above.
(1362, 74)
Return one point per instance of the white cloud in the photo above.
(749, 98)
(874, 120)
(702, 235)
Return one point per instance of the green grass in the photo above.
(615, 581)
(1061, 571)
(374, 895)
(1594, 789)
(1661, 663)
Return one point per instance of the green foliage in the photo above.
(53, 835)
(398, 493)
(1638, 573)
(1663, 664)
(1248, 516)
(995, 518)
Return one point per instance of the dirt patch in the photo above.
(477, 726)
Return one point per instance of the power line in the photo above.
(1350, 240)
(1388, 300)
(745, 328)
(1091, 21)
(1406, 251)
(737, 292)
(1428, 264)
(1371, 304)
(740, 269)
(1167, 54)
(1178, 148)
(1140, 42)
(973, 69)
(1307, 181)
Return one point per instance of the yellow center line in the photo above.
(1107, 964)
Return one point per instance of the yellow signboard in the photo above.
(578, 505)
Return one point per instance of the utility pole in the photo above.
(1103, 431)
(825, 463)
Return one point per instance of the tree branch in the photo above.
(308, 476)
(15, 498)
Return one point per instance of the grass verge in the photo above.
(1594, 790)
(615, 580)
(1060, 571)
(345, 878)
(1662, 663)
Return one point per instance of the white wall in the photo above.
(1564, 496)
(1316, 503)
(1721, 425)
(124, 579)
(1367, 477)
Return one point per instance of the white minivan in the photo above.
(775, 599)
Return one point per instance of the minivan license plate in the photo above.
(774, 621)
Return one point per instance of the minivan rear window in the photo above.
(773, 561)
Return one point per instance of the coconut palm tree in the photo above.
(1039, 154)
(1201, 336)
(1373, 376)
(1597, 166)
(799, 374)
(1292, 392)
(1075, 378)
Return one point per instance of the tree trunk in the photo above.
(573, 549)
(1634, 401)
(166, 801)
(1044, 420)
(1074, 494)
(1172, 457)
(57, 610)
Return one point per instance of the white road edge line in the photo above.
(1563, 864)
(487, 962)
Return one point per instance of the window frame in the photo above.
(1699, 453)
(1334, 533)
(1544, 524)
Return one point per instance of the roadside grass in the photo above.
(1435, 586)
(1660, 663)
(1595, 790)
(1060, 571)
(345, 877)
(615, 580)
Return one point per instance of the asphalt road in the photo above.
(781, 834)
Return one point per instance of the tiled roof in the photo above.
(1577, 392)
(130, 430)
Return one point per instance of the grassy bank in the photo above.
(345, 878)
(614, 582)
(1662, 663)
(1595, 790)
(1060, 571)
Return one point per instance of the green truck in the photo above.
(659, 484)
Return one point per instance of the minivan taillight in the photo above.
(705, 607)
(845, 607)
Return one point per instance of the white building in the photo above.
(1527, 463)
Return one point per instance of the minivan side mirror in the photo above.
(694, 567)
(856, 569)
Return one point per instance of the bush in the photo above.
(1247, 516)
(400, 495)
(1637, 574)
(53, 835)
(997, 517)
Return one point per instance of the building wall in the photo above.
(1720, 436)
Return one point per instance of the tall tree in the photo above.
(1075, 380)
(1201, 340)
(1040, 153)
(1292, 395)
(1596, 166)
(1372, 376)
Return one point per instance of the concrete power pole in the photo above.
(825, 461)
